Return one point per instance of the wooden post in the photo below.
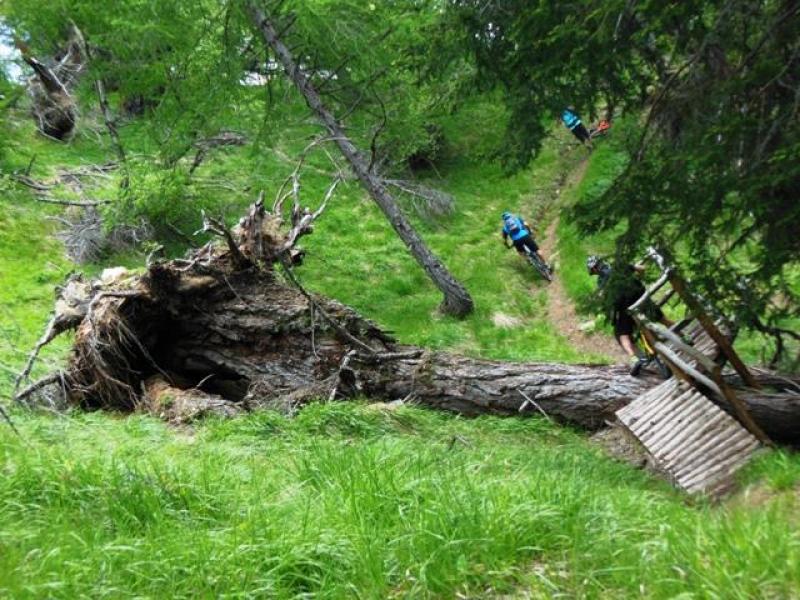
(740, 408)
(679, 285)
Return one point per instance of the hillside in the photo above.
(395, 503)
(363, 498)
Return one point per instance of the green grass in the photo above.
(344, 500)
(606, 161)
(349, 501)
(31, 265)
(353, 256)
(379, 278)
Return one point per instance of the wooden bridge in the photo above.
(681, 424)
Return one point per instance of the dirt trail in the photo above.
(561, 311)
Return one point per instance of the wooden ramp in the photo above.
(690, 438)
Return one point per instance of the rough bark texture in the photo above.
(221, 332)
(457, 300)
(249, 338)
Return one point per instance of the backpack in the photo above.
(512, 225)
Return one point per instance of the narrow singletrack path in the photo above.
(561, 311)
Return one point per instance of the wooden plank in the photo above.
(740, 409)
(697, 416)
(687, 368)
(727, 445)
(654, 410)
(634, 410)
(676, 427)
(655, 417)
(649, 292)
(693, 440)
(703, 477)
(648, 429)
(675, 342)
(698, 446)
(709, 443)
(684, 442)
(679, 285)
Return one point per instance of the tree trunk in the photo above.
(457, 300)
(50, 89)
(219, 332)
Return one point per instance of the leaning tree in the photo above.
(457, 300)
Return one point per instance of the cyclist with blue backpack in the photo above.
(519, 231)
(573, 122)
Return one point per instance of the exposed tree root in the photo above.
(220, 332)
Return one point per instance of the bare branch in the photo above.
(56, 377)
(304, 219)
(217, 227)
(433, 202)
(336, 325)
(51, 200)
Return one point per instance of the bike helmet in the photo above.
(592, 262)
(506, 215)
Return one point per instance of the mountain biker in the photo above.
(626, 290)
(519, 231)
(573, 122)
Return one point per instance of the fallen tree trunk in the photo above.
(250, 338)
(222, 326)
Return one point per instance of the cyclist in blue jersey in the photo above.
(573, 122)
(519, 231)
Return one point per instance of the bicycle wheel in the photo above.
(542, 268)
(663, 369)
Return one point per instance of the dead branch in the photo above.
(82, 204)
(294, 177)
(432, 202)
(333, 322)
(217, 227)
(223, 138)
(27, 181)
(303, 219)
(48, 336)
(56, 377)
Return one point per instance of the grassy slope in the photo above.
(350, 501)
(353, 256)
(606, 161)
(346, 501)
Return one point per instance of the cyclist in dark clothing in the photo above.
(573, 122)
(519, 231)
(627, 290)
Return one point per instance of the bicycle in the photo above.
(650, 358)
(541, 267)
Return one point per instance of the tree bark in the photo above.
(457, 300)
(219, 331)
(50, 89)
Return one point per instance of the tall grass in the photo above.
(350, 501)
